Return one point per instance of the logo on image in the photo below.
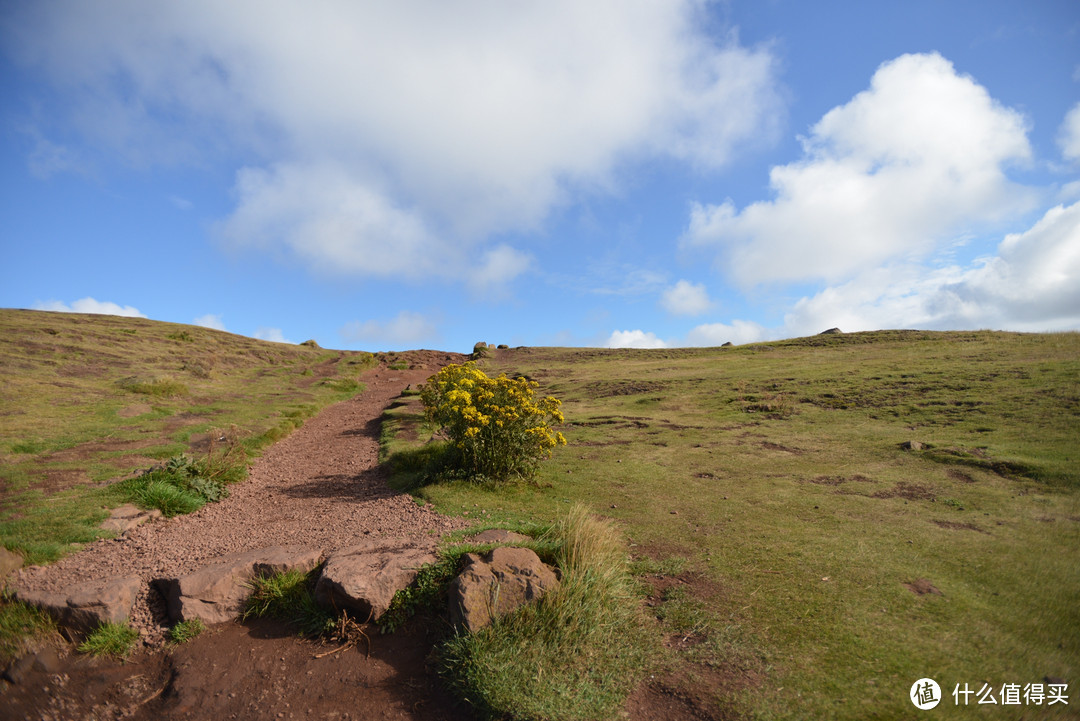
(925, 693)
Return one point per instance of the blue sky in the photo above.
(404, 175)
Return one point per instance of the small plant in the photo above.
(496, 426)
(184, 631)
(288, 597)
(181, 485)
(310, 343)
(181, 335)
(399, 365)
(110, 639)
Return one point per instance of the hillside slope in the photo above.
(87, 399)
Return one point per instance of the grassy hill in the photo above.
(816, 523)
(806, 559)
(87, 399)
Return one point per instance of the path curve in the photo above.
(321, 487)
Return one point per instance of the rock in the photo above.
(217, 593)
(831, 331)
(9, 562)
(128, 516)
(364, 578)
(496, 584)
(45, 660)
(727, 344)
(912, 446)
(83, 608)
(499, 535)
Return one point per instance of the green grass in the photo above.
(184, 631)
(20, 626)
(289, 597)
(115, 640)
(577, 653)
(776, 471)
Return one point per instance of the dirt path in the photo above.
(320, 487)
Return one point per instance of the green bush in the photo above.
(497, 428)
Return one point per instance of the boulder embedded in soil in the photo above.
(217, 593)
(496, 584)
(123, 518)
(85, 607)
(363, 579)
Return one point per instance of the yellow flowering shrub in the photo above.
(497, 427)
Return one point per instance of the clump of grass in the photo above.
(158, 387)
(32, 447)
(115, 640)
(184, 631)
(20, 624)
(289, 597)
(180, 485)
(575, 654)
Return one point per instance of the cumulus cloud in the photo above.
(405, 328)
(210, 321)
(1032, 284)
(634, 339)
(1069, 135)
(332, 220)
(429, 125)
(914, 162)
(274, 335)
(686, 298)
(89, 305)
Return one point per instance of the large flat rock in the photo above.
(87, 605)
(364, 578)
(217, 593)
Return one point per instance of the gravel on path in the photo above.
(321, 487)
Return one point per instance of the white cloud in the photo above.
(499, 267)
(331, 220)
(271, 334)
(914, 162)
(405, 328)
(1069, 134)
(737, 332)
(686, 298)
(89, 305)
(210, 321)
(454, 121)
(1032, 284)
(634, 339)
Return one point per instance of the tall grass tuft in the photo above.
(288, 596)
(576, 654)
(110, 639)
